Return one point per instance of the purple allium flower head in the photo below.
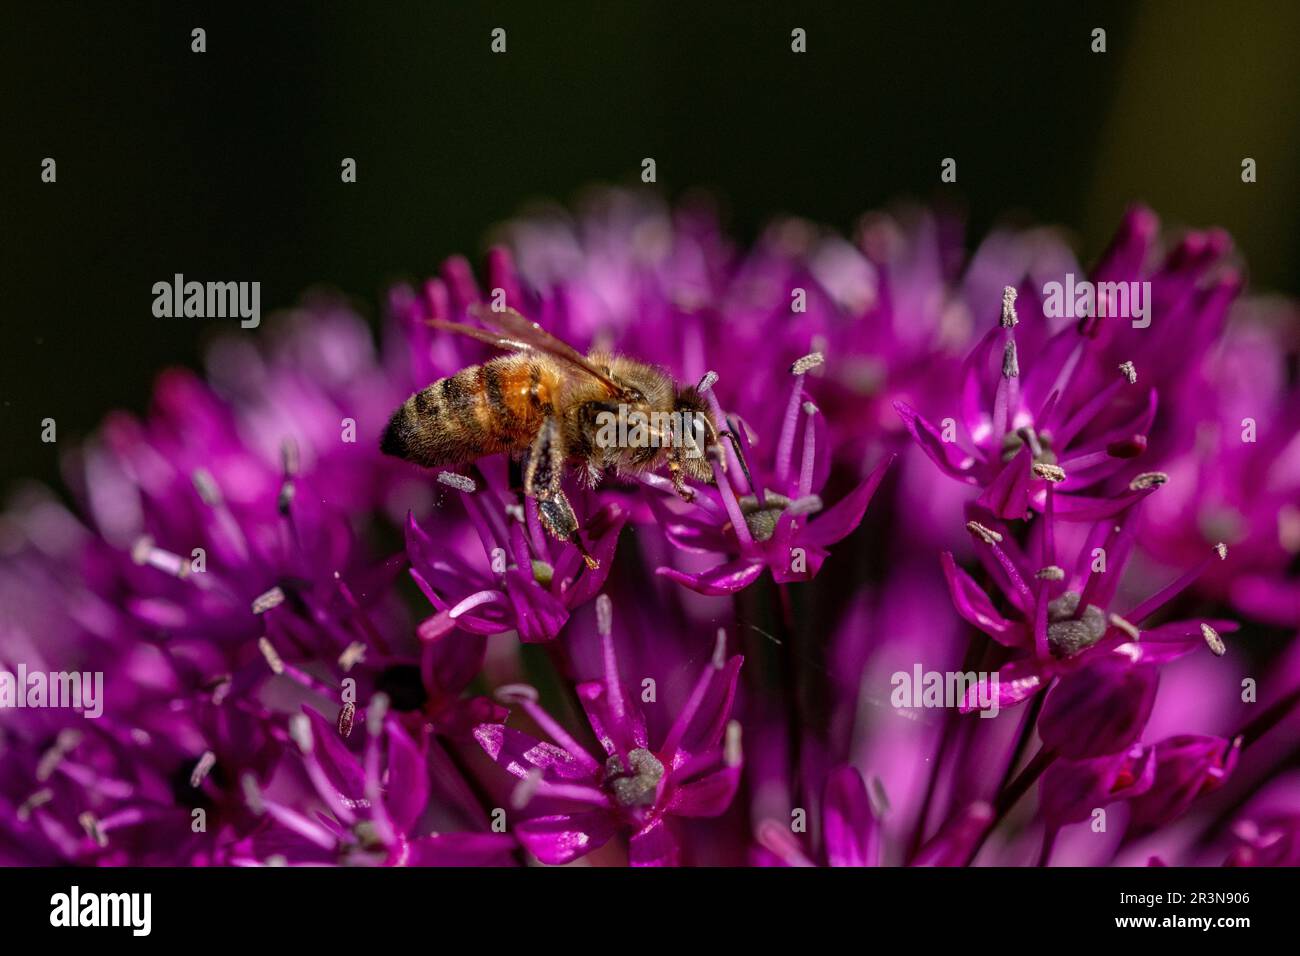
(295, 631)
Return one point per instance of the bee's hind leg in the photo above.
(542, 482)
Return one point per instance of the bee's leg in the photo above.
(542, 483)
(679, 476)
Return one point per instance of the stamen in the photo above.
(807, 505)
(201, 769)
(35, 801)
(220, 687)
(1052, 473)
(785, 441)
(807, 363)
(143, 552)
(878, 797)
(207, 488)
(347, 715)
(352, 655)
(1050, 573)
(460, 482)
(1030, 438)
(1148, 480)
(1213, 640)
(720, 650)
(1124, 625)
(809, 450)
(988, 534)
(1129, 371)
(300, 731)
(707, 382)
(289, 457)
(1009, 318)
(376, 711)
(732, 754)
(252, 794)
(473, 601)
(1010, 361)
(90, 824)
(272, 658)
(738, 523)
(604, 615)
(66, 742)
(1172, 590)
(524, 791)
(140, 550)
(264, 602)
(512, 694)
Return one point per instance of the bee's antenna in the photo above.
(732, 433)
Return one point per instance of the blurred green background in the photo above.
(225, 165)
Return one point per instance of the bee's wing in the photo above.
(521, 333)
(483, 335)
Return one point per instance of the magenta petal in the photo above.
(782, 564)
(1071, 789)
(406, 790)
(1098, 709)
(617, 732)
(602, 536)
(957, 838)
(460, 849)
(707, 795)
(949, 456)
(1086, 508)
(975, 606)
(685, 531)
(720, 580)
(654, 846)
(709, 720)
(1187, 766)
(1017, 682)
(845, 515)
(565, 837)
(538, 615)
(449, 662)
(850, 830)
(1007, 495)
(519, 753)
(341, 766)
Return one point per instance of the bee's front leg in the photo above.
(542, 482)
(679, 476)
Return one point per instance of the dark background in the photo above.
(225, 165)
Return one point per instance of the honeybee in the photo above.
(557, 407)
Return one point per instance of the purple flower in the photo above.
(294, 631)
(1063, 620)
(634, 788)
(372, 804)
(1187, 766)
(850, 829)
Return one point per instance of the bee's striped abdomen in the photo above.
(481, 410)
